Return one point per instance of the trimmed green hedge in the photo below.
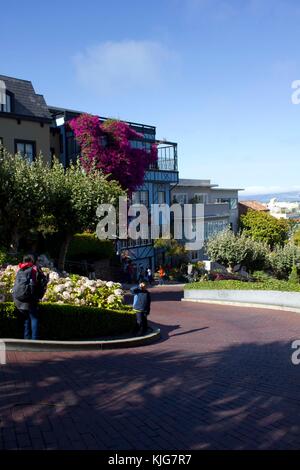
(67, 322)
(271, 284)
(88, 246)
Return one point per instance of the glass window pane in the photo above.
(8, 104)
(29, 151)
(20, 148)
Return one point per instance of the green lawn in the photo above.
(272, 284)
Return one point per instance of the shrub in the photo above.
(293, 277)
(66, 322)
(282, 259)
(230, 249)
(6, 258)
(271, 284)
(264, 227)
(88, 247)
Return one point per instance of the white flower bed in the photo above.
(69, 289)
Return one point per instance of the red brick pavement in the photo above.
(220, 378)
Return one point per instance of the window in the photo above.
(144, 198)
(200, 198)
(231, 201)
(140, 197)
(194, 255)
(180, 198)
(213, 227)
(161, 197)
(26, 148)
(149, 136)
(6, 103)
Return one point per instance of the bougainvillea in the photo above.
(108, 146)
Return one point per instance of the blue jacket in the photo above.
(141, 300)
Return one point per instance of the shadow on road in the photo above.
(245, 396)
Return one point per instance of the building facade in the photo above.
(156, 189)
(220, 206)
(30, 127)
(24, 119)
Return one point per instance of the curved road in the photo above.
(221, 377)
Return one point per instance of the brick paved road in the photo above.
(220, 378)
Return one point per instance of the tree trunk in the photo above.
(63, 252)
(15, 239)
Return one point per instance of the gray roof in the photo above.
(192, 182)
(26, 101)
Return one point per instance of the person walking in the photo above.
(29, 288)
(141, 276)
(149, 275)
(141, 306)
(162, 275)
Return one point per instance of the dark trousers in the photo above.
(31, 322)
(141, 323)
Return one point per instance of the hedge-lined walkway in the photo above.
(221, 377)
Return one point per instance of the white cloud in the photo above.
(116, 67)
(253, 190)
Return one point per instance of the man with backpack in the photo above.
(141, 305)
(30, 287)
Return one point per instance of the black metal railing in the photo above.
(166, 157)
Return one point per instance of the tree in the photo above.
(264, 227)
(74, 196)
(35, 197)
(296, 237)
(229, 249)
(22, 196)
(108, 146)
(174, 250)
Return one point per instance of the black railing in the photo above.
(166, 157)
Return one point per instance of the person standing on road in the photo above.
(29, 288)
(141, 306)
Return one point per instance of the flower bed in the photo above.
(69, 289)
(67, 322)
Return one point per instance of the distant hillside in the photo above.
(290, 196)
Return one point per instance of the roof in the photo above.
(57, 111)
(196, 183)
(26, 101)
(204, 184)
(228, 189)
(254, 205)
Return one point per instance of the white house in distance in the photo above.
(220, 206)
(284, 209)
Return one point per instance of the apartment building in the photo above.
(29, 126)
(220, 206)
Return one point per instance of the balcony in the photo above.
(166, 168)
(167, 156)
(216, 210)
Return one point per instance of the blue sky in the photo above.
(213, 75)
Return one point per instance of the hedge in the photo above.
(88, 246)
(271, 284)
(68, 322)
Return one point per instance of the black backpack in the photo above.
(23, 289)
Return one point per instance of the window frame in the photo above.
(26, 142)
(11, 103)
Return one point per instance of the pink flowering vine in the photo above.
(107, 146)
